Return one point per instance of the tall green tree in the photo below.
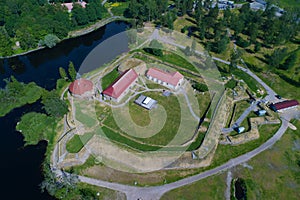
(63, 73)
(72, 71)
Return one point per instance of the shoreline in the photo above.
(75, 33)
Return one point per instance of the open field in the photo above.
(86, 191)
(77, 142)
(209, 188)
(93, 168)
(117, 8)
(170, 128)
(276, 172)
(289, 3)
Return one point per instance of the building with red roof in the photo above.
(69, 6)
(284, 105)
(120, 87)
(82, 87)
(169, 79)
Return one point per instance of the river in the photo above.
(21, 166)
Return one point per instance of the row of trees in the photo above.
(32, 22)
(263, 25)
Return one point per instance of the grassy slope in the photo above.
(275, 173)
(110, 78)
(209, 188)
(77, 142)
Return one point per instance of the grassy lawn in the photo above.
(203, 101)
(86, 119)
(169, 57)
(170, 128)
(276, 172)
(226, 152)
(136, 112)
(109, 78)
(289, 3)
(76, 143)
(117, 8)
(182, 22)
(86, 191)
(178, 60)
(226, 70)
(209, 188)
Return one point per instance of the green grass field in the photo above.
(77, 142)
(170, 128)
(209, 188)
(226, 152)
(289, 3)
(276, 172)
(109, 78)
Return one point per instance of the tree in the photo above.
(36, 127)
(72, 71)
(80, 15)
(289, 62)
(277, 57)
(201, 87)
(51, 40)
(63, 73)
(53, 105)
(193, 46)
(187, 51)
(155, 48)
(235, 57)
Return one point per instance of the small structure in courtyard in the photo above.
(145, 102)
(240, 129)
(261, 112)
(82, 88)
(171, 80)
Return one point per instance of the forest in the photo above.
(28, 24)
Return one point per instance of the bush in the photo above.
(231, 84)
(241, 42)
(201, 87)
(36, 127)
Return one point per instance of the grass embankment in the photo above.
(168, 57)
(76, 143)
(109, 78)
(227, 70)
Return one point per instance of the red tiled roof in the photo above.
(171, 78)
(286, 104)
(80, 86)
(69, 6)
(121, 84)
